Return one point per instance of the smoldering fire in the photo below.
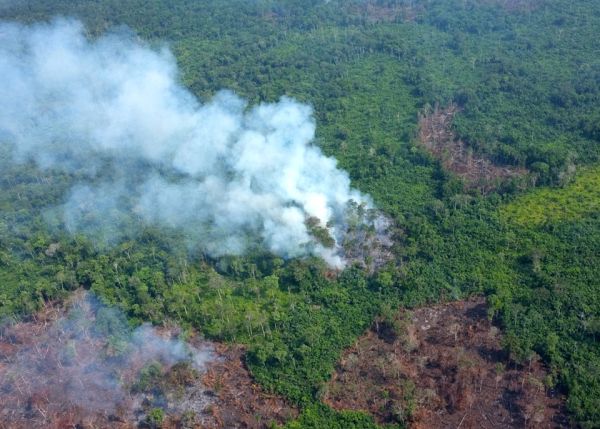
(112, 110)
(86, 361)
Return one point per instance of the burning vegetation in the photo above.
(368, 237)
(364, 236)
(84, 367)
(440, 367)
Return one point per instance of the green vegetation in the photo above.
(528, 81)
(155, 418)
(573, 202)
(319, 416)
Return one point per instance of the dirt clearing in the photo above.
(438, 138)
(80, 365)
(443, 367)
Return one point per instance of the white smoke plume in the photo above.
(112, 110)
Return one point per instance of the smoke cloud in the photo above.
(112, 112)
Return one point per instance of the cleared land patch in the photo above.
(517, 5)
(441, 367)
(438, 138)
(72, 366)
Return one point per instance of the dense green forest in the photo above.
(526, 75)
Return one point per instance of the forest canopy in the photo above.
(524, 76)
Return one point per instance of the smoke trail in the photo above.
(111, 110)
(84, 362)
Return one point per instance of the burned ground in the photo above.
(56, 371)
(240, 402)
(375, 12)
(440, 367)
(517, 6)
(455, 156)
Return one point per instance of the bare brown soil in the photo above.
(443, 367)
(374, 12)
(437, 137)
(240, 402)
(517, 5)
(54, 377)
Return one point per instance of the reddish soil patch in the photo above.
(517, 5)
(375, 12)
(437, 137)
(446, 369)
(240, 402)
(57, 371)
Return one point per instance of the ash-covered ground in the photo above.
(81, 365)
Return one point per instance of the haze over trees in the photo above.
(524, 79)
